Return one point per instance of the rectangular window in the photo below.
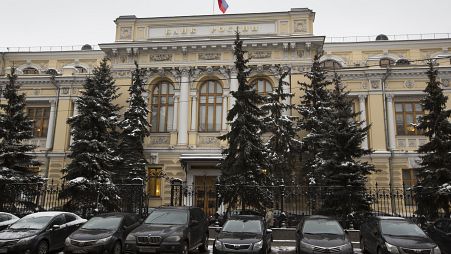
(40, 117)
(154, 182)
(407, 116)
(409, 179)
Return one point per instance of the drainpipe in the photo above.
(387, 139)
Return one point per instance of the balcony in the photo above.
(410, 143)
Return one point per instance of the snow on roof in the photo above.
(50, 213)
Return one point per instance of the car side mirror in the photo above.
(55, 227)
(269, 231)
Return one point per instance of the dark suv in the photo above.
(170, 229)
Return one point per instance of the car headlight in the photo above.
(174, 238)
(103, 240)
(131, 238)
(219, 245)
(25, 241)
(391, 248)
(347, 248)
(305, 246)
(258, 245)
(67, 242)
(437, 250)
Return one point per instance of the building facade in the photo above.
(191, 73)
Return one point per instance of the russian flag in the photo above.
(223, 5)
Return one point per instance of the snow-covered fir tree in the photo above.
(433, 191)
(93, 154)
(135, 128)
(315, 106)
(283, 145)
(16, 160)
(339, 158)
(243, 176)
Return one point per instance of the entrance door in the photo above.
(205, 194)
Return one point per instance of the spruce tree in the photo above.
(16, 160)
(283, 145)
(243, 176)
(314, 108)
(135, 128)
(93, 154)
(338, 159)
(433, 191)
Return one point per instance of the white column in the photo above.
(233, 86)
(286, 90)
(362, 99)
(176, 112)
(390, 122)
(183, 115)
(51, 128)
(193, 112)
(74, 114)
(224, 112)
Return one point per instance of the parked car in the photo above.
(103, 233)
(243, 234)
(7, 219)
(321, 234)
(385, 235)
(41, 232)
(170, 229)
(440, 233)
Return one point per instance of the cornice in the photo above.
(377, 45)
(56, 54)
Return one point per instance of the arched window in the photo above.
(210, 106)
(30, 71)
(162, 107)
(262, 86)
(402, 62)
(331, 65)
(386, 62)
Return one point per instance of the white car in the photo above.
(7, 219)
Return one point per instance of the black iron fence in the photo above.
(293, 201)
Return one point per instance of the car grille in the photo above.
(317, 249)
(237, 246)
(148, 240)
(82, 243)
(8, 243)
(416, 251)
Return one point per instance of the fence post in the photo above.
(217, 204)
(282, 197)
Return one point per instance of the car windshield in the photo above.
(400, 228)
(107, 223)
(166, 217)
(245, 226)
(322, 227)
(31, 222)
(4, 217)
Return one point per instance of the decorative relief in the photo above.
(208, 140)
(260, 54)
(125, 33)
(422, 141)
(161, 140)
(445, 82)
(300, 26)
(209, 56)
(365, 84)
(122, 74)
(300, 53)
(401, 143)
(65, 90)
(160, 57)
(375, 84)
(409, 84)
(412, 142)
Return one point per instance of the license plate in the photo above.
(148, 249)
(3, 250)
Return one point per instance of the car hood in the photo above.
(86, 235)
(325, 240)
(239, 238)
(411, 242)
(9, 234)
(157, 230)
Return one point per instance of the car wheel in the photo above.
(185, 248)
(117, 249)
(204, 246)
(43, 248)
